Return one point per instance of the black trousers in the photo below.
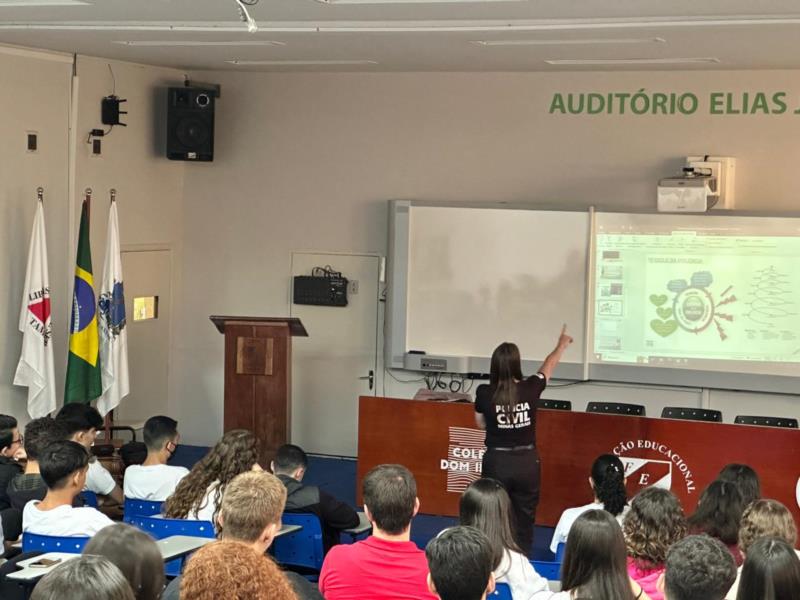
(520, 473)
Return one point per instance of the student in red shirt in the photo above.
(387, 565)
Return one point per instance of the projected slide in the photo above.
(669, 293)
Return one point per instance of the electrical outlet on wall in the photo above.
(97, 147)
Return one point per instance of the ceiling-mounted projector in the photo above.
(691, 192)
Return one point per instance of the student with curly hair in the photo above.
(743, 477)
(232, 570)
(654, 522)
(594, 562)
(718, 514)
(198, 494)
(771, 571)
(698, 567)
(763, 518)
(486, 506)
(607, 482)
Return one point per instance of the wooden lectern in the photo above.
(258, 369)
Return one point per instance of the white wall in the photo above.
(36, 95)
(307, 161)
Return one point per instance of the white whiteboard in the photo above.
(479, 276)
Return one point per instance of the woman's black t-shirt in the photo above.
(507, 427)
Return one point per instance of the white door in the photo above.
(147, 306)
(337, 363)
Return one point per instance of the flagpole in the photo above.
(109, 418)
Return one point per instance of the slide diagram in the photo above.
(694, 307)
(771, 298)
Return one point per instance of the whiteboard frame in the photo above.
(395, 356)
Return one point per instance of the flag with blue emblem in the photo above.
(113, 334)
(83, 364)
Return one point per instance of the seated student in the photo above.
(10, 448)
(763, 518)
(82, 422)
(63, 466)
(198, 495)
(387, 565)
(718, 513)
(654, 522)
(251, 513)
(290, 465)
(461, 561)
(698, 567)
(135, 554)
(745, 479)
(594, 562)
(39, 433)
(608, 486)
(771, 571)
(486, 506)
(84, 578)
(233, 570)
(155, 479)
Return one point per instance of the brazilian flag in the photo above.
(83, 366)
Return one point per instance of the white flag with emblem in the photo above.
(35, 367)
(111, 312)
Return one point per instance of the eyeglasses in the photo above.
(19, 440)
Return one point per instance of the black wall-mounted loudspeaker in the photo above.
(190, 124)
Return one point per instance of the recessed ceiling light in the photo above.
(631, 61)
(301, 63)
(563, 42)
(34, 3)
(199, 43)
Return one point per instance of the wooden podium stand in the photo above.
(258, 369)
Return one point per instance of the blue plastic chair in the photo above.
(89, 498)
(140, 508)
(302, 548)
(32, 542)
(550, 570)
(163, 528)
(560, 552)
(502, 591)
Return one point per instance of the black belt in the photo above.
(515, 448)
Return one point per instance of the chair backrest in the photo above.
(766, 421)
(560, 552)
(52, 543)
(141, 508)
(162, 528)
(303, 548)
(550, 570)
(502, 591)
(89, 498)
(691, 414)
(616, 408)
(554, 404)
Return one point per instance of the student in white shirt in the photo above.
(155, 479)
(486, 506)
(608, 486)
(82, 423)
(63, 466)
(198, 495)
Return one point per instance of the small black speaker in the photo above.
(190, 124)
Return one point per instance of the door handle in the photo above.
(370, 378)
